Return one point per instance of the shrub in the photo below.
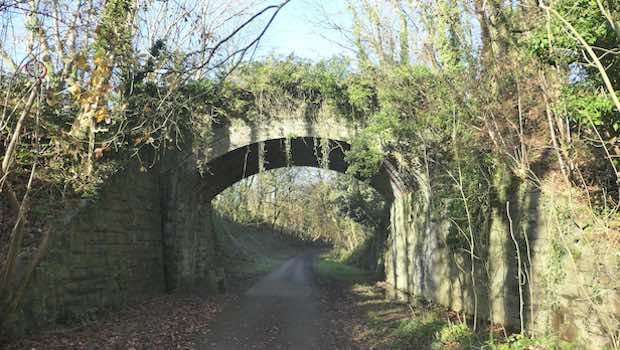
(416, 333)
(455, 337)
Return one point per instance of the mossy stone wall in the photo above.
(570, 290)
(148, 232)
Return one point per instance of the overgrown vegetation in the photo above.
(525, 105)
(477, 102)
(385, 324)
(483, 119)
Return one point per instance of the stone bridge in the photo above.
(153, 232)
(238, 149)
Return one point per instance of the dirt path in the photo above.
(280, 311)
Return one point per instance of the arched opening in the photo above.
(312, 206)
(240, 163)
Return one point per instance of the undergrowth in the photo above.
(418, 324)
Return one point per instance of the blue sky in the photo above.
(300, 29)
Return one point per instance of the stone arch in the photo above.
(227, 169)
(294, 140)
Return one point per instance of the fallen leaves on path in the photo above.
(350, 309)
(163, 322)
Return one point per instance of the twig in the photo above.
(520, 272)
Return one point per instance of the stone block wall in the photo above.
(570, 292)
(103, 252)
(146, 233)
(190, 241)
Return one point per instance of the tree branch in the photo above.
(245, 49)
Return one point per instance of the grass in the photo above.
(422, 326)
(433, 332)
(328, 269)
(416, 332)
